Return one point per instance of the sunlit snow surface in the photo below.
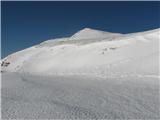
(91, 75)
(83, 97)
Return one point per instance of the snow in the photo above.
(88, 33)
(90, 75)
(48, 57)
(79, 97)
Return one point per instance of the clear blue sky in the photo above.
(28, 23)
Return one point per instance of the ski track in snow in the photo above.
(79, 97)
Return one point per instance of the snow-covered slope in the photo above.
(90, 52)
(90, 75)
(79, 97)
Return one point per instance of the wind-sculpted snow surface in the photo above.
(90, 75)
(79, 97)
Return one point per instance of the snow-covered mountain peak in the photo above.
(88, 33)
(87, 29)
(88, 49)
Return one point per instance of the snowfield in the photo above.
(90, 75)
(79, 97)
